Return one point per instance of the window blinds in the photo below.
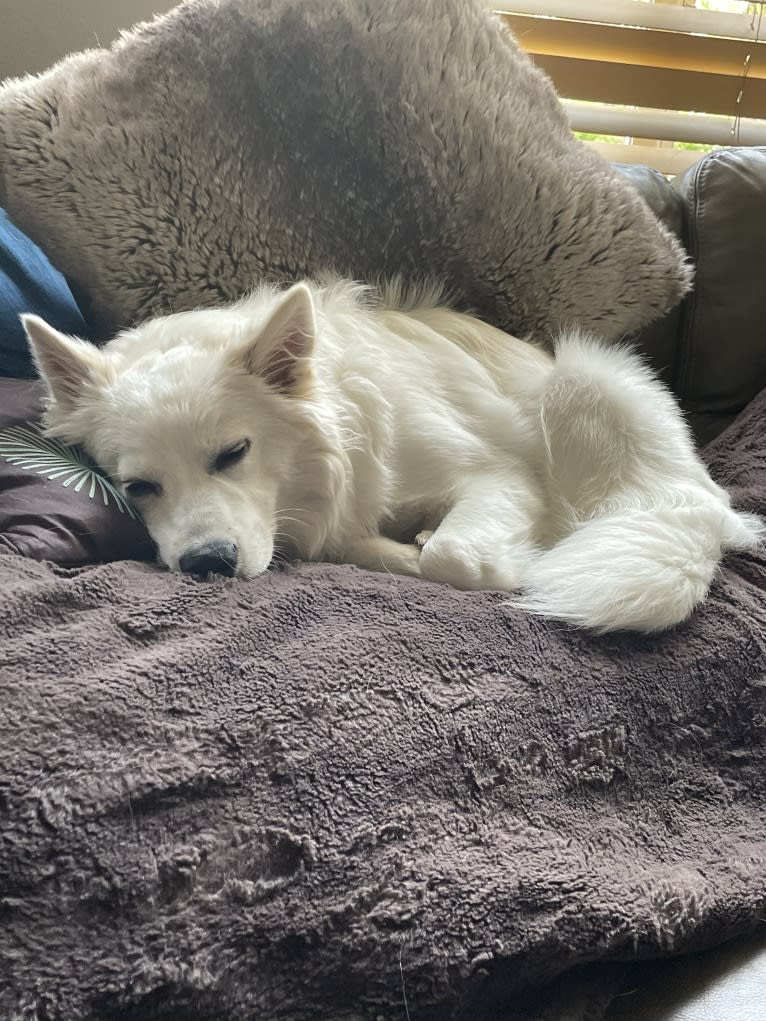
(662, 70)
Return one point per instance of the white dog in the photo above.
(329, 422)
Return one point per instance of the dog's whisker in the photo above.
(284, 515)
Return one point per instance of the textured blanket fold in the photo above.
(324, 793)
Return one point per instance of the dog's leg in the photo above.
(486, 541)
(376, 553)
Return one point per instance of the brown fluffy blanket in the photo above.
(326, 794)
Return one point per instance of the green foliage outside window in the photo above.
(590, 136)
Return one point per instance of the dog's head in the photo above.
(198, 417)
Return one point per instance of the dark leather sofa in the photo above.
(712, 351)
(712, 348)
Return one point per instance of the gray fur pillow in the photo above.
(232, 140)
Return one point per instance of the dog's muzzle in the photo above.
(219, 557)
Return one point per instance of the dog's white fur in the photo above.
(375, 420)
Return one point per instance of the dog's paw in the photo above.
(422, 538)
(454, 562)
(447, 560)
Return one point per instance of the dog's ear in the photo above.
(281, 351)
(67, 365)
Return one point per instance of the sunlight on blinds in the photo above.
(675, 75)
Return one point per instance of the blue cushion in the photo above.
(29, 283)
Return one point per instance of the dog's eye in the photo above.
(231, 456)
(137, 488)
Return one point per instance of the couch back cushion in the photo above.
(721, 355)
(659, 340)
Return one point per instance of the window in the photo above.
(668, 77)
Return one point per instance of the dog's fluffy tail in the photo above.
(639, 525)
(637, 570)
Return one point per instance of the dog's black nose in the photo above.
(211, 558)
